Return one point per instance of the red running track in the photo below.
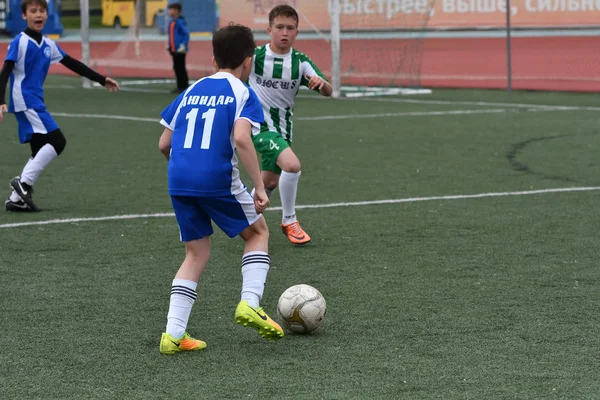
(545, 63)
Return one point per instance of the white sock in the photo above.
(183, 295)
(268, 191)
(255, 267)
(36, 165)
(288, 188)
(14, 197)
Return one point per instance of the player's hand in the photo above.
(181, 49)
(261, 200)
(3, 109)
(315, 82)
(112, 85)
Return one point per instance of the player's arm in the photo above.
(185, 36)
(164, 143)
(242, 134)
(81, 69)
(314, 78)
(4, 75)
(315, 82)
(169, 117)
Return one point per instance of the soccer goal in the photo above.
(365, 47)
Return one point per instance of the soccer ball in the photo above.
(301, 308)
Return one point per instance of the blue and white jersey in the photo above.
(203, 160)
(32, 62)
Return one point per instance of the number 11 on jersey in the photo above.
(209, 119)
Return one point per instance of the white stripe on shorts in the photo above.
(247, 203)
(35, 121)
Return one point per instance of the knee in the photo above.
(57, 140)
(271, 183)
(61, 144)
(293, 167)
(261, 230)
(197, 256)
(198, 250)
(256, 235)
(290, 164)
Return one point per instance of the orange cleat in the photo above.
(295, 233)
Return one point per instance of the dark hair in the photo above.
(176, 6)
(232, 45)
(283, 10)
(27, 3)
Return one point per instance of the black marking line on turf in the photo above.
(520, 166)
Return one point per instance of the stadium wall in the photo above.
(419, 14)
(539, 63)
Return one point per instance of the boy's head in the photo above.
(233, 47)
(174, 10)
(283, 26)
(35, 12)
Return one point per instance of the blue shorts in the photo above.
(231, 213)
(34, 121)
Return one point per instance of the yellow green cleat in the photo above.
(256, 318)
(170, 345)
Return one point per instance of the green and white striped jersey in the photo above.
(276, 79)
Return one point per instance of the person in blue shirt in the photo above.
(205, 127)
(27, 62)
(179, 38)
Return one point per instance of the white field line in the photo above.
(316, 206)
(128, 89)
(557, 107)
(465, 103)
(403, 114)
(106, 116)
(123, 89)
(320, 117)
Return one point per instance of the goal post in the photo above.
(85, 38)
(357, 44)
(336, 71)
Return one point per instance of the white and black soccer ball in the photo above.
(301, 308)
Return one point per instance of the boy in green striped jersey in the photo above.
(278, 72)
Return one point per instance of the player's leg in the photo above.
(46, 141)
(236, 215)
(270, 145)
(288, 190)
(195, 229)
(180, 72)
(255, 262)
(185, 80)
(174, 57)
(270, 180)
(255, 268)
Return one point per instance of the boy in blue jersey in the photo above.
(27, 62)
(179, 38)
(204, 127)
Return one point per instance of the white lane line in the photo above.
(398, 100)
(464, 103)
(317, 206)
(317, 117)
(106, 116)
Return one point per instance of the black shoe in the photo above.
(25, 192)
(17, 206)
